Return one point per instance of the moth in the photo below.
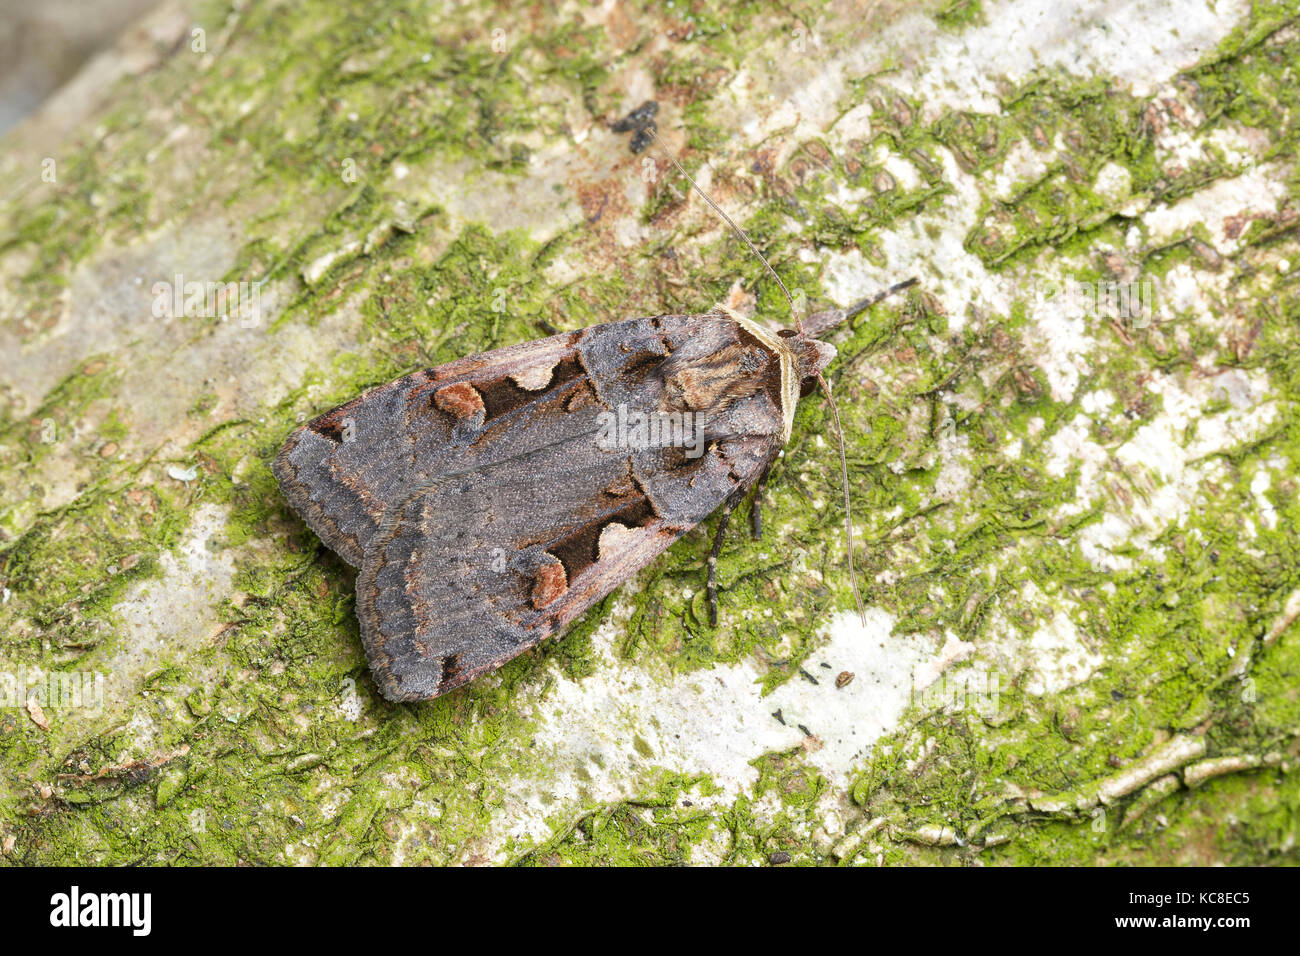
(489, 502)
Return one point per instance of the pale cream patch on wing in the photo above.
(615, 538)
(535, 378)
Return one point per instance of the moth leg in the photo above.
(756, 506)
(727, 508)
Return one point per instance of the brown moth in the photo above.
(491, 501)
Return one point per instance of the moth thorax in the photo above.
(732, 373)
(787, 383)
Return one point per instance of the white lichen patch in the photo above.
(954, 476)
(607, 737)
(162, 619)
(1052, 656)
(542, 203)
(604, 738)
(963, 71)
(1259, 488)
(110, 301)
(1160, 471)
(1057, 657)
(1024, 163)
(847, 720)
(946, 268)
(1255, 192)
(1114, 183)
(1139, 44)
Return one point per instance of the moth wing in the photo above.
(342, 470)
(476, 568)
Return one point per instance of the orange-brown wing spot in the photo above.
(550, 583)
(460, 399)
(502, 396)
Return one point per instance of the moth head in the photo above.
(811, 357)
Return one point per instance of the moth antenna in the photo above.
(829, 320)
(730, 222)
(858, 308)
(848, 314)
(848, 507)
(819, 323)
